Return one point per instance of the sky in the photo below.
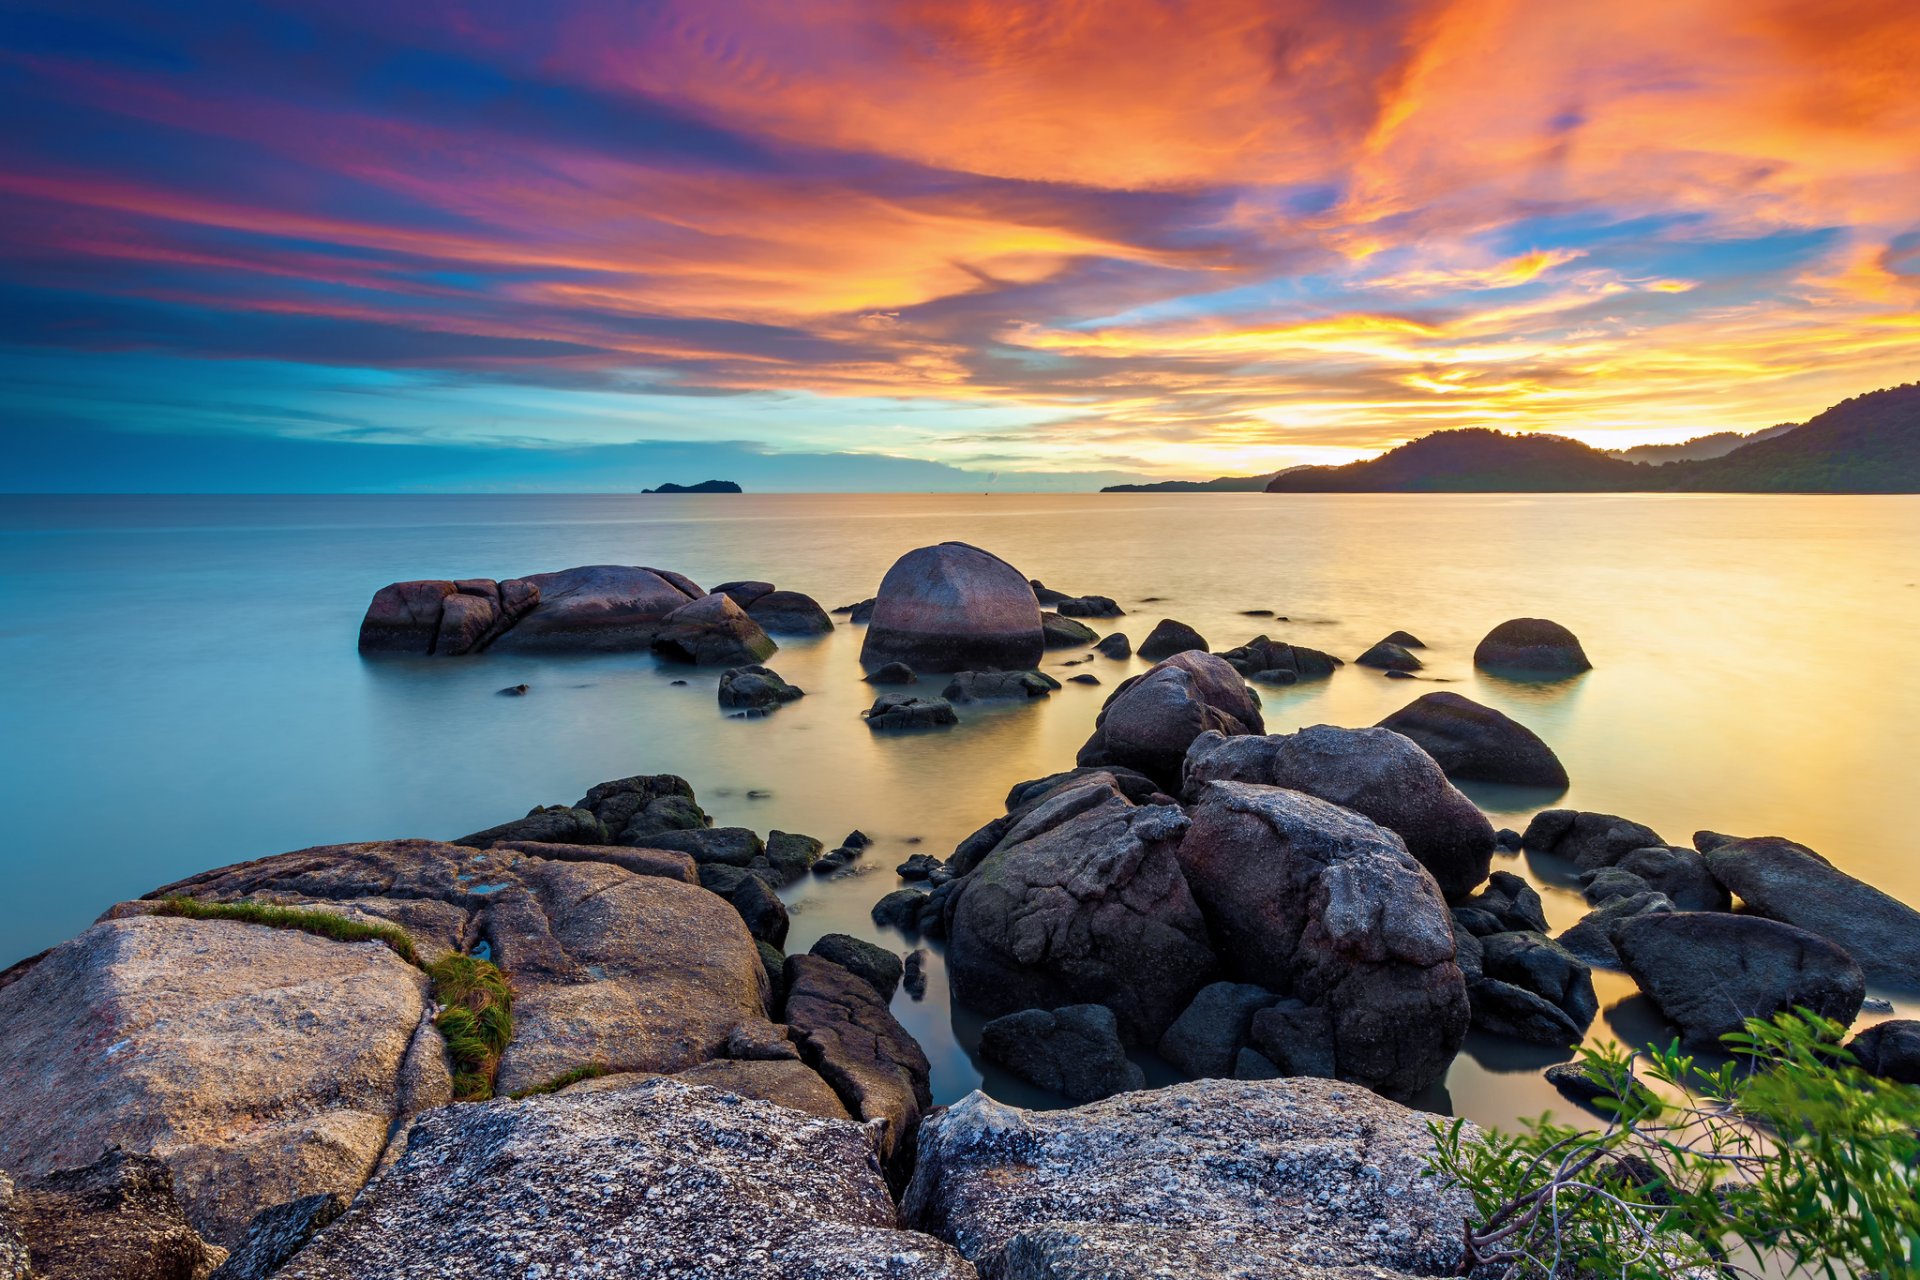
(887, 244)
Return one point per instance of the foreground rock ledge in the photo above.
(1284, 1178)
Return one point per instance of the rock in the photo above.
(835, 861)
(860, 612)
(597, 608)
(1580, 1083)
(513, 691)
(1374, 772)
(1608, 883)
(846, 1034)
(115, 1219)
(1083, 679)
(892, 711)
(1682, 874)
(914, 978)
(1708, 971)
(1324, 905)
(1511, 901)
(465, 620)
(1507, 840)
(787, 1083)
(755, 688)
(1148, 722)
(276, 1234)
(1205, 1040)
(1786, 881)
(954, 607)
(743, 592)
(918, 867)
(712, 631)
(1064, 633)
(639, 809)
(1114, 646)
(1046, 595)
(790, 855)
(1168, 638)
(893, 673)
(1400, 675)
(556, 824)
(1297, 1038)
(1073, 1051)
(1476, 922)
(1274, 662)
(761, 1041)
(1388, 656)
(636, 1177)
(1251, 1064)
(1088, 607)
(759, 906)
(1890, 1050)
(1404, 640)
(773, 967)
(982, 686)
(727, 846)
(258, 1064)
(1587, 840)
(900, 910)
(1591, 939)
(788, 613)
(879, 967)
(1532, 646)
(1532, 989)
(1304, 1179)
(1475, 743)
(670, 863)
(1024, 797)
(404, 617)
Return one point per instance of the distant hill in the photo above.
(1869, 444)
(1717, 445)
(705, 486)
(1219, 484)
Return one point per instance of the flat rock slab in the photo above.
(661, 1178)
(1212, 1179)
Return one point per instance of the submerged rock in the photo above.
(1275, 662)
(954, 607)
(1074, 1051)
(984, 686)
(1532, 646)
(1475, 743)
(1217, 1179)
(1388, 656)
(1150, 720)
(1169, 637)
(1088, 607)
(893, 673)
(1786, 881)
(1065, 633)
(755, 688)
(1708, 971)
(909, 711)
(1114, 646)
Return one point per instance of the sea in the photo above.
(182, 690)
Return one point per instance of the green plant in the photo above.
(592, 1071)
(1787, 1158)
(476, 1020)
(326, 924)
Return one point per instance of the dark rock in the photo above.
(755, 688)
(773, 962)
(1588, 1088)
(1475, 743)
(932, 918)
(1533, 646)
(1064, 633)
(1114, 646)
(115, 1219)
(1148, 722)
(744, 592)
(1476, 922)
(1297, 1038)
(1401, 675)
(846, 1034)
(1387, 656)
(1374, 772)
(712, 631)
(1404, 640)
(1024, 797)
(1084, 679)
(1073, 1051)
(880, 967)
(731, 846)
(1091, 909)
(1511, 901)
(276, 1234)
(856, 840)
(1276, 662)
(1682, 874)
(789, 613)
(954, 607)
(1506, 838)
(1890, 1050)
(899, 910)
(789, 855)
(752, 897)
(1046, 595)
(1168, 638)
(859, 611)
(1708, 972)
(1592, 938)
(982, 686)
(515, 691)
(1561, 1004)
(670, 863)
(1587, 840)
(893, 673)
(1204, 1040)
(553, 825)
(918, 867)
(1088, 607)
(892, 711)
(1786, 881)
(914, 974)
(637, 809)
(1256, 613)
(1251, 1064)
(1325, 905)
(404, 617)
(1607, 883)
(1708, 841)
(596, 608)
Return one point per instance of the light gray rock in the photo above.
(1786, 881)
(1217, 1179)
(654, 1178)
(1150, 720)
(954, 607)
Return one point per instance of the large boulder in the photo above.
(1374, 772)
(1786, 881)
(116, 1219)
(1057, 632)
(712, 631)
(598, 608)
(655, 1177)
(404, 617)
(1149, 720)
(1475, 743)
(846, 1033)
(1213, 1180)
(1074, 1051)
(1169, 637)
(1315, 901)
(1591, 938)
(1708, 971)
(1532, 647)
(1083, 903)
(258, 1064)
(954, 607)
(1588, 840)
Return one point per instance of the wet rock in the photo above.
(1404, 640)
(879, 967)
(1083, 679)
(1205, 1039)
(514, 691)
(638, 809)
(1297, 1038)
(1114, 646)
(1388, 656)
(743, 592)
(1786, 881)
(1680, 873)
(1890, 1050)
(836, 860)
(759, 906)
(1168, 638)
(1475, 743)
(1046, 595)
(1532, 646)
(1511, 901)
(914, 975)
(1073, 1051)
(404, 617)
(1608, 883)
(1507, 840)
(1592, 938)
(909, 711)
(900, 910)
(893, 673)
(1533, 989)
(1064, 633)
(1087, 910)
(654, 1176)
(954, 607)
(918, 867)
(983, 686)
(1275, 662)
(1374, 772)
(1587, 840)
(116, 1218)
(712, 631)
(846, 1034)
(1148, 722)
(597, 608)
(789, 855)
(755, 688)
(1088, 607)
(1590, 1089)
(726, 846)
(1401, 675)
(1329, 907)
(554, 824)
(1708, 971)
(276, 1234)
(789, 613)
(1311, 1179)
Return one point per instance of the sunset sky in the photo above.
(859, 244)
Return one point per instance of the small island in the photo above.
(705, 486)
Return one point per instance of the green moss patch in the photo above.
(476, 1019)
(592, 1071)
(325, 924)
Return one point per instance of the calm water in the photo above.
(182, 689)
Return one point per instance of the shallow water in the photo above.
(183, 691)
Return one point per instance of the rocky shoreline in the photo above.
(268, 1069)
